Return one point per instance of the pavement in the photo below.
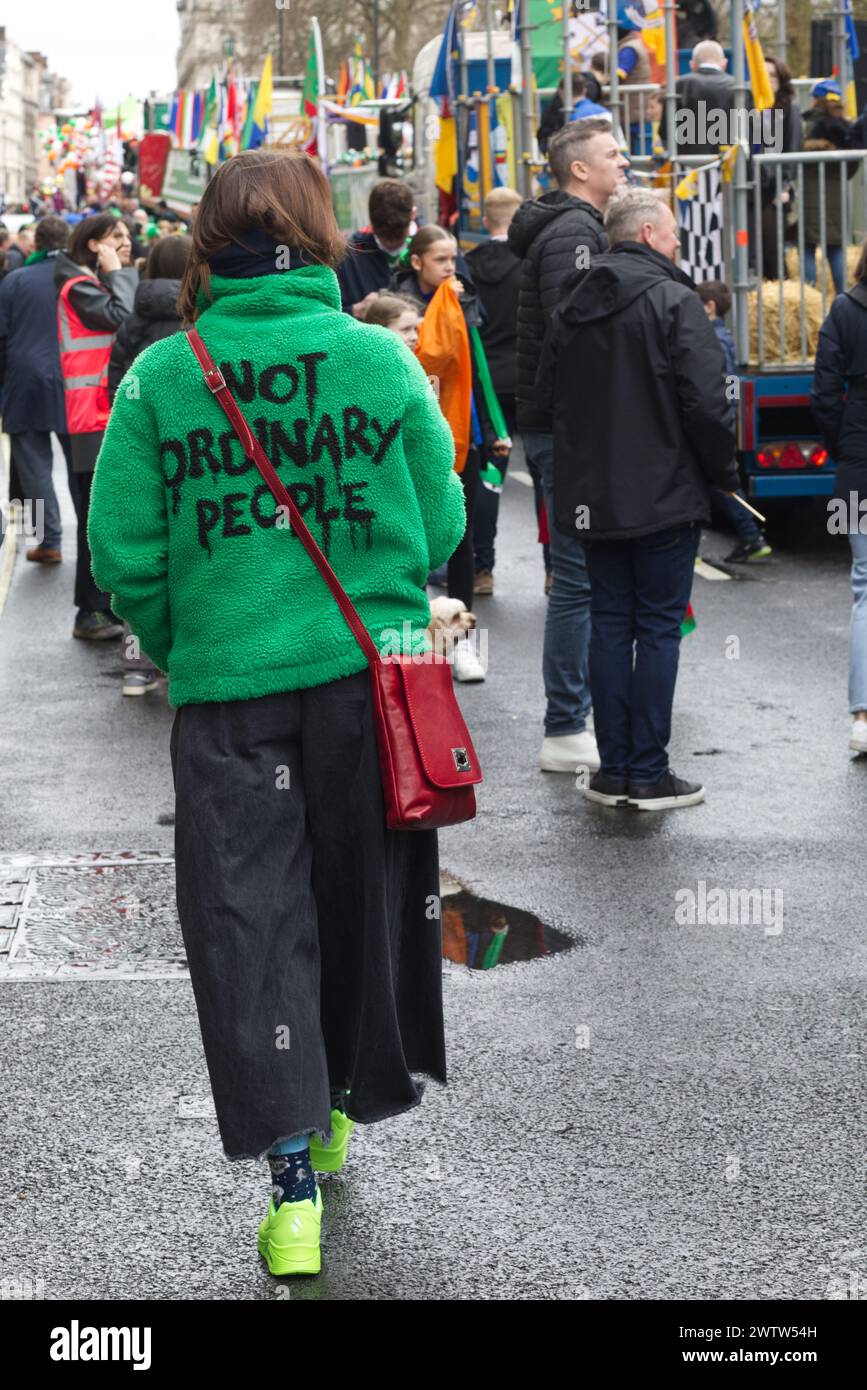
(663, 1111)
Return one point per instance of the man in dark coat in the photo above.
(32, 383)
(705, 89)
(642, 429)
(557, 237)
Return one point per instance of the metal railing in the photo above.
(790, 168)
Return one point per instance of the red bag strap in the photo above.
(216, 383)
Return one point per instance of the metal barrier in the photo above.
(797, 163)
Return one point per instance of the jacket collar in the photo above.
(640, 248)
(313, 287)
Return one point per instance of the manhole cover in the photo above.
(89, 916)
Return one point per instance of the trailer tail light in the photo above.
(818, 456)
(781, 456)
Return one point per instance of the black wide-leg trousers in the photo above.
(312, 933)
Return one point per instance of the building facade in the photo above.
(28, 94)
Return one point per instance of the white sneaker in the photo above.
(568, 752)
(858, 736)
(467, 666)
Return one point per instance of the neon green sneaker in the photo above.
(329, 1158)
(289, 1237)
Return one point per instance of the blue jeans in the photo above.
(32, 459)
(835, 261)
(858, 625)
(640, 588)
(744, 525)
(567, 623)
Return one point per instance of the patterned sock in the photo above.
(338, 1101)
(292, 1176)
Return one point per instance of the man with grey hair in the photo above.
(634, 375)
(556, 237)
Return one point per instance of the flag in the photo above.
(358, 76)
(310, 94)
(262, 108)
(214, 133)
(209, 110)
(343, 82)
(247, 131)
(690, 622)
(763, 97)
(111, 169)
(852, 33)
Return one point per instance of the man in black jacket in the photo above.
(642, 429)
(557, 236)
(32, 383)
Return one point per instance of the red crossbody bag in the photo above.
(426, 756)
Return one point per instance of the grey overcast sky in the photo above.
(110, 53)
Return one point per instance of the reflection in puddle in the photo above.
(481, 933)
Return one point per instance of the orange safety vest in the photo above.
(84, 362)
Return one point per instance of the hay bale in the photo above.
(823, 270)
(774, 349)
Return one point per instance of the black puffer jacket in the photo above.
(497, 273)
(635, 376)
(839, 393)
(154, 316)
(546, 233)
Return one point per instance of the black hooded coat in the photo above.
(634, 376)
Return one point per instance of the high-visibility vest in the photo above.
(84, 362)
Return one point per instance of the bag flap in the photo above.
(442, 738)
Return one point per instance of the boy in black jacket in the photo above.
(496, 272)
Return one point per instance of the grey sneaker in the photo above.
(139, 682)
(96, 627)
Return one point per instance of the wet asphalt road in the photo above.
(705, 1140)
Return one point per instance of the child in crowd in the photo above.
(397, 312)
(716, 297)
(496, 272)
(429, 262)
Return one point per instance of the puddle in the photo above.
(481, 933)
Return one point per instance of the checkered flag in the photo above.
(701, 229)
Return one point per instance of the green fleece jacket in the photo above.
(186, 535)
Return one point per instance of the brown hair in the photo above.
(786, 95)
(425, 238)
(94, 228)
(168, 258)
(287, 196)
(52, 234)
(859, 274)
(386, 308)
(715, 292)
(389, 208)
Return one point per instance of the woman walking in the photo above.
(840, 405)
(96, 286)
(313, 949)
